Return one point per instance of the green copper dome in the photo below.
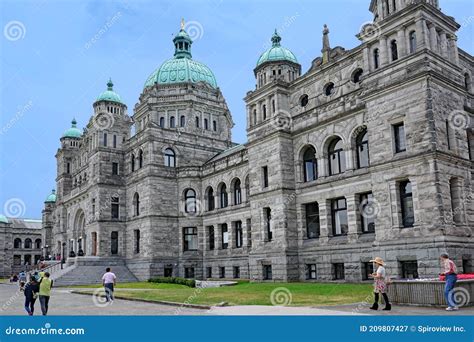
(110, 94)
(3, 219)
(182, 68)
(277, 52)
(73, 132)
(52, 197)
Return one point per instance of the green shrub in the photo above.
(173, 280)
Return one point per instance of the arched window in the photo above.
(190, 201)
(162, 122)
(210, 199)
(38, 243)
(412, 38)
(376, 59)
(223, 200)
(214, 125)
(273, 106)
(172, 123)
(182, 121)
(406, 201)
(136, 204)
(310, 164)
(264, 112)
(467, 82)
(247, 189)
(140, 159)
(356, 75)
(132, 161)
(362, 145)
(197, 122)
(28, 243)
(254, 116)
(206, 124)
(17, 243)
(394, 50)
(237, 192)
(170, 158)
(337, 157)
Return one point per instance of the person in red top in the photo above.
(450, 273)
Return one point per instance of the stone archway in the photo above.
(79, 233)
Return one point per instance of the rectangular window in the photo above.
(236, 272)
(190, 240)
(267, 212)
(367, 208)
(214, 125)
(267, 272)
(409, 269)
(338, 271)
(312, 220)
(115, 169)
(225, 236)
(168, 272)
(115, 141)
(448, 137)
(367, 270)
(212, 238)
(340, 225)
(17, 260)
(136, 234)
(311, 271)
(400, 141)
(238, 234)
(406, 203)
(467, 265)
(209, 272)
(189, 272)
(249, 232)
(105, 139)
(265, 176)
(221, 272)
(93, 207)
(68, 168)
(114, 207)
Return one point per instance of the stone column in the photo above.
(401, 42)
(380, 9)
(322, 167)
(324, 221)
(383, 51)
(433, 39)
(444, 45)
(454, 49)
(365, 58)
(230, 234)
(352, 212)
(349, 153)
(217, 236)
(425, 34)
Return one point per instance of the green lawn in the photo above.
(245, 293)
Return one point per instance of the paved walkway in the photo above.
(63, 302)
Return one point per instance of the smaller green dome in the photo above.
(52, 197)
(3, 219)
(110, 94)
(73, 132)
(277, 52)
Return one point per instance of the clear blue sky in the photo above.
(52, 67)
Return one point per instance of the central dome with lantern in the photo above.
(182, 68)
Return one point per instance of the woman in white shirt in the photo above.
(380, 285)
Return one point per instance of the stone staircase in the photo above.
(89, 270)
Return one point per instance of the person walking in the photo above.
(450, 274)
(31, 292)
(380, 285)
(45, 286)
(108, 281)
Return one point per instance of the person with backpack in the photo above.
(380, 285)
(31, 293)
(45, 286)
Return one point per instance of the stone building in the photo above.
(21, 245)
(368, 153)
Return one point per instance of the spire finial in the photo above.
(326, 47)
(73, 123)
(182, 23)
(276, 38)
(110, 85)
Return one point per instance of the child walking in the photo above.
(380, 285)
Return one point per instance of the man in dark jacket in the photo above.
(31, 292)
